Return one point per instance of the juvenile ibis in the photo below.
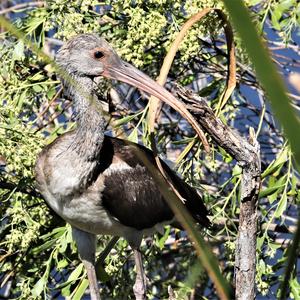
(95, 182)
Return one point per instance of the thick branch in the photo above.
(247, 155)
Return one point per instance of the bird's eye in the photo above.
(98, 54)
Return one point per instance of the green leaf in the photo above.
(63, 243)
(65, 291)
(133, 137)
(254, 2)
(186, 150)
(18, 53)
(259, 243)
(51, 92)
(41, 283)
(39, 287)
(286, 5)
(65, 287)
(37, 88)
(294, 181)
(37, 77)
(277, 163)
(273, 188)
(261, 266)
(56, 232)
(237, 170)
(295, 288)
(183, 141)
(162, 240)
(269, 191)
(33, 24)
(225, 156)
(44, 246)
(127, 119)
(281, 206)
(76, 273)
(81, 288)
(274, 246)
(63, 263)
(20, 100)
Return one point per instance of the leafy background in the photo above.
(38, 258)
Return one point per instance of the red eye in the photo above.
(98, 54)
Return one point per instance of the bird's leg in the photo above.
(86, 244)
(93, 283)
(140, 285)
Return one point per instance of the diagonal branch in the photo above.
(14, 187)
(22, 6)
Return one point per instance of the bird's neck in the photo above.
(89, 133)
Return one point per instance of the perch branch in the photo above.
(247, 154)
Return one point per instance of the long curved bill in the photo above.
(129, 74)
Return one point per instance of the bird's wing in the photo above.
(130, 193)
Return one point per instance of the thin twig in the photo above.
(22, 6)
(49, 103)
(15, 187)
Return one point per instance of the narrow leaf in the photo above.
(39, 287)
(281, 206)
(81, 288)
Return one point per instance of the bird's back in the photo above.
(132, 194)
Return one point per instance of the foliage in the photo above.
(38, 257)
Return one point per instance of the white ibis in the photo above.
(95, 182)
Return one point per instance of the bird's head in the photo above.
(87, 55)
(90, 56)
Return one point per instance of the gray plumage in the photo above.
(95, 182)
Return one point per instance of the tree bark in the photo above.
(247, 154)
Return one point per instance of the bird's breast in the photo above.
(67, 189)
(109, 196)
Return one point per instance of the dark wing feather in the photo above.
(131, 195)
